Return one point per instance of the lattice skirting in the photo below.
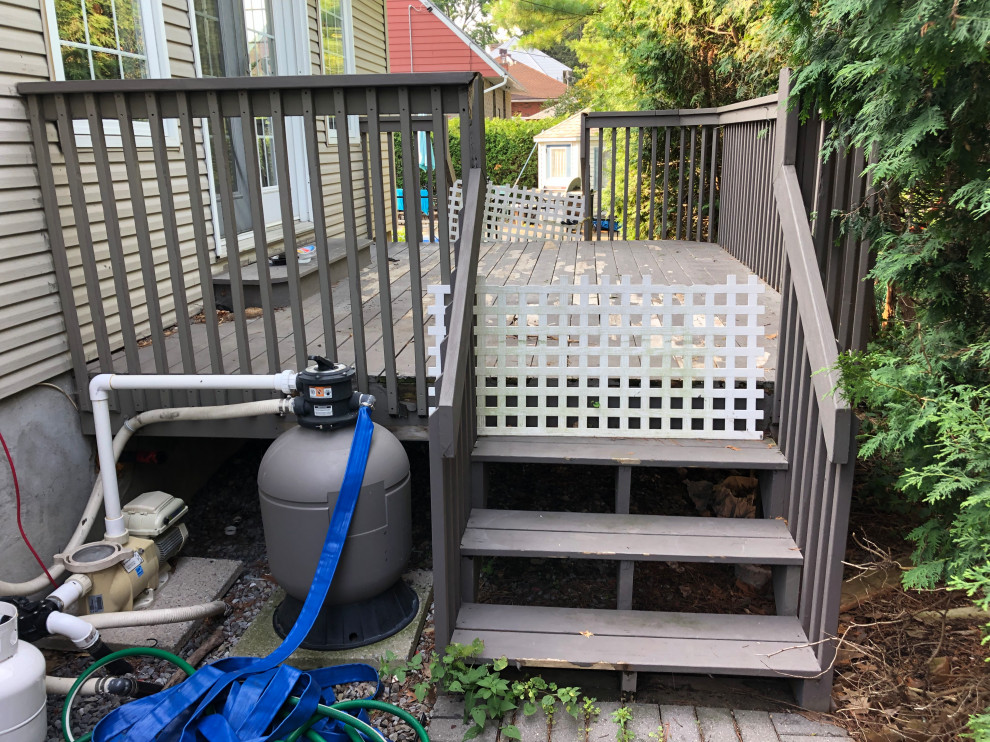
(618, 360)
(522, 213)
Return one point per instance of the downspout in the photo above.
(410, 11)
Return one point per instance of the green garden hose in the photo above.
(352, 725)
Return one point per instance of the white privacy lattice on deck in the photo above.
(522, 213)
(628, 360)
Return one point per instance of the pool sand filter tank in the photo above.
(299, 481)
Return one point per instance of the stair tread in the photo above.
(630, 451)
(639, 640)
(524, 533)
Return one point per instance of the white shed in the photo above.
(559, 155)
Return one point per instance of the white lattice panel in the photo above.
(437, 331)
(626, 360)
(522, 213)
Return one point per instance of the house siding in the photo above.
(33, 342)
(368, 21)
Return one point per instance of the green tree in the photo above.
(471, 16)
(655, 53)
(907, 80)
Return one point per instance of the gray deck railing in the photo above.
(454, 423)
(144, 164)
(660, 174)
(816, 426)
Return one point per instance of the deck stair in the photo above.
(624, 639)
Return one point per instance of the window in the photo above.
(558, 161)
(332, 36)
(105, 39)
(208, 36)
(336, 43)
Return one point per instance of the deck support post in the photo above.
(623, 491)
(815, 694)
(479, 485)
(628, 683)
(774, 486)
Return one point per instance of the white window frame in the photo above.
(156, 46)
(350, 67)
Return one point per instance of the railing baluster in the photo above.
(625, 189)
(281, 147)
(381, 251)
(143, 235)
(111, 221)
(653, 181)
(611, 214)
(689, 211)
(84, 235)
(350, 238)
(666, 181)
(319, 225)
(172, 248)
(680, 185)
(252, 169)
(639, 177)
(225, 186)
(56, 239)
(410, 169)
(597, 216)
(431, 194)
(712, 211)
(187, 127)
(443, 205)
(701, 183)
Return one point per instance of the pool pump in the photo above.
(299, 482)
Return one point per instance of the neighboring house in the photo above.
(534, 58)
(536, 90)
(559, 153)
(43, 40)
(422, 39)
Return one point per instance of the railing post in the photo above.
(586, 174)
(785, 142)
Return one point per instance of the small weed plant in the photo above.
(622, 716)
(487, 695)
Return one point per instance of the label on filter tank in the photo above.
(321, 392)
(323, 411)
(96, 604)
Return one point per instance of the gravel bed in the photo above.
(224, 522)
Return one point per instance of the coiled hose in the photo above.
(353, 726)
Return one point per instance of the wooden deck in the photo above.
(532, 263)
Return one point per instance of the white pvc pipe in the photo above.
(73, 628)
(120, 441)
(62, 686)
(102, 384)
(154, 617)
(70, 591)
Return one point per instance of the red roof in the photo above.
(435, 44)
(536, 85)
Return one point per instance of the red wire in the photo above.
(17, 495)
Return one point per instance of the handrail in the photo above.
(758, 109)
(459, 346)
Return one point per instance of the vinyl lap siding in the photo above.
(33, 343)
(32, 338)
(368, 18)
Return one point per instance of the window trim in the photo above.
(156, 45)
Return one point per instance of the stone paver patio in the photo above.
(678, 724)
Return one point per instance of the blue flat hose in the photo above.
(241, 699)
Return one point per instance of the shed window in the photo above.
(559, 161)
